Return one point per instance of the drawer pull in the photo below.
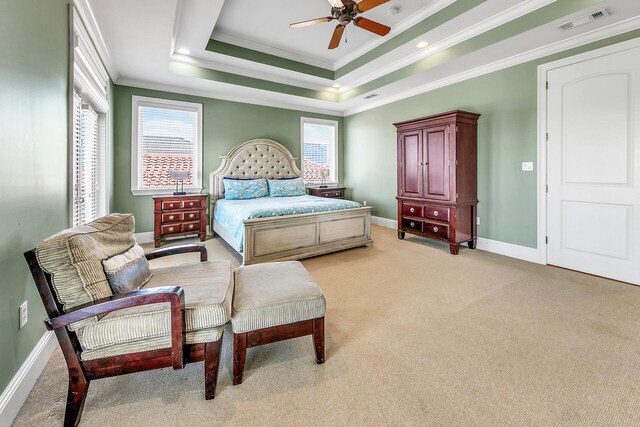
(190, 226)
(170, 228)
(170, 205)
(412, 210)
(412, 224)
(190, 203)
(171, 217)
(435, 229)
(435, 213)
(190, 215)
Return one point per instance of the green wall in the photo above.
(507, 136)
(226, 124)
(33, 164)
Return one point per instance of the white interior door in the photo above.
(593, 166)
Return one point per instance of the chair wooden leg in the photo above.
(212, 352)
(318, 339)
(77, 394)
(239, 356)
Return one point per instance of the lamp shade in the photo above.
(178, 175)
(324, 173)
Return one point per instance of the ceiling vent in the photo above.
(373, 95)
(602, 13)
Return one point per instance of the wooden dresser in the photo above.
(437, 178)
(179, 216)
(336, 192)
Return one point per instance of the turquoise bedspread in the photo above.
(231, 213)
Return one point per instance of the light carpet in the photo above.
(414, 336)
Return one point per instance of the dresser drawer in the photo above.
(171, 205)
(435, 212)
(193, 203)
(190, 226)
(412, 224)
(436, 230)
(171, 217)
(191, 215)
(411, 210)
(170, 228)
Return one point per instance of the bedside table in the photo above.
(336, 192)
(179, 216)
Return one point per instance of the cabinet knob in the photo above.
(190, 215)
(435, 213)
(191, 204)
(171, 216)
(170, 228)
(190, 226)
(435, 229)
(412, 224)
(412, 210)
(171, 205)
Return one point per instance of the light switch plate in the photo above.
(527, 166)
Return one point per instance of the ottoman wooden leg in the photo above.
(318, 339)
(239, 356)
(211, 367)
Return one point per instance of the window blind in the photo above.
(85, 162)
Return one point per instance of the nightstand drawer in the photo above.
(412, 224)
(436, 230)
(191, 215)
(171, 205)
(190, 226)
(188, 204)
(170, 229)
(438, 213)
(172, 217)
(330, 192)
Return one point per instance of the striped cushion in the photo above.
(274, 294)
(208, 290)
(74, 257)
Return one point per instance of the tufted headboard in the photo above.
(258, 158)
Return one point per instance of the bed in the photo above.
(281, 228)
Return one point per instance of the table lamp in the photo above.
(324, 173)
(179, 176)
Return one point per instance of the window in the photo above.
(166, 137)
(89, 118)
(319, 149)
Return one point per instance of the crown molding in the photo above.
(400, 27)
(254, 100)
(91, 25)
(550, 49)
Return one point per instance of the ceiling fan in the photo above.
(346, 11)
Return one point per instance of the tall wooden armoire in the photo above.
(437, 178)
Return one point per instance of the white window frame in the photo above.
(136, 179)
(336, 144)
(90, 80)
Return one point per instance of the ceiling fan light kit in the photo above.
(346, 12)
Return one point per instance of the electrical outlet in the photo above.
(24, 314)
(477, 220)
(364, 203)
(527, 166)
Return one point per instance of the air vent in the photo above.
(602, 13)
(373, 95)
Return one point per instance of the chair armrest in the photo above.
(174, 295)
(182, 249)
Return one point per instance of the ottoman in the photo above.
(274, 302)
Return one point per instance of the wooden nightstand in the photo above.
(336, 192)
(179, 216)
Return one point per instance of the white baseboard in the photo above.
(147, 236)
(23, 381)
(384, 222)
(507, 249)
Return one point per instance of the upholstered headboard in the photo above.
(258, 158)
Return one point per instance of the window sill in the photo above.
(163, 191)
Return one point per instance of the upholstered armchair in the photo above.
(174, 315)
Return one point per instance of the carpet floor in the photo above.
(414, 336)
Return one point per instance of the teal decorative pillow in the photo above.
(286, 187)
(238, 189)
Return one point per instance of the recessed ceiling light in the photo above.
(337, 86)
(183, 51)
(422, 45)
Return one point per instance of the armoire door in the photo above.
(436, 163)
(411, 179)
(593, 158)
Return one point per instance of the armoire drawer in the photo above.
(412, 224)
(436, 230)
(411, 210)
(436, 212)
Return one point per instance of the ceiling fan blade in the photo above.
(311, 22)
(373, 26)
(337, 4)
(365, 5)
(337, 36)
